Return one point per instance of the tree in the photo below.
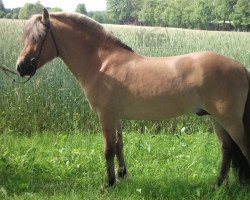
(136, 7)
(30, 9)
(123, 11)
(26, 11)
(113, 9)
(2, 6)
(147, 13)
(2, 14)
(223, 10)
(99, 16)
(15, 10)
(14, 16)
(8, 16)
(241, 14)
(56, 9)
(175, 11)
(81, 8)
(202, 14)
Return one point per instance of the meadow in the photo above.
(51, 148)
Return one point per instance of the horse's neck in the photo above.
(85, 54)
(77, 53)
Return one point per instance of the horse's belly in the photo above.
(158, 110)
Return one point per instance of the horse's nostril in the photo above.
(19, 68)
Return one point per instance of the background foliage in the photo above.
(201, 14)
(198, 14)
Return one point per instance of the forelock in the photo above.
(33, 29)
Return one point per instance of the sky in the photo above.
(66, 5)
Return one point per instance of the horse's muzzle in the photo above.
(26, 68)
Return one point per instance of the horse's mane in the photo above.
(33, 29)
(32, 26)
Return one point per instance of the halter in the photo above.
(34, 61)
(7, 71)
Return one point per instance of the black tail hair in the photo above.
(239, 161)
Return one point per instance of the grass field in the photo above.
(71, 166)
(50, 149)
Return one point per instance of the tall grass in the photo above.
(53, 100)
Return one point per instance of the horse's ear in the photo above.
(45, 17)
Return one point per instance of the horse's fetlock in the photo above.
(111, 182)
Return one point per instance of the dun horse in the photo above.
(121, 84)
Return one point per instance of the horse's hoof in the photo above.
(111, 183)
(122, 172)
(219, 182)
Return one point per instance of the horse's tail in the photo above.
(239, 161)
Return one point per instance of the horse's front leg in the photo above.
(122, 170)
(108, 126)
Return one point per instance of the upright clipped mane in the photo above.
(84, 21)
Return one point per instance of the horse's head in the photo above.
(39, 45)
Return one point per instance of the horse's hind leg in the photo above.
(238, 134)
(240, 150)
(122, 170)
(226, 156)
(234, 148)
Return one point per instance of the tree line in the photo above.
(24, 12)
(198, 14)
(194, 14)
(30, 9)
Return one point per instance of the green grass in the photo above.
(71, 166)
(49, 148)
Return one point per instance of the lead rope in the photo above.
(7, 71)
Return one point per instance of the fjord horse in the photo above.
(121, 84)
